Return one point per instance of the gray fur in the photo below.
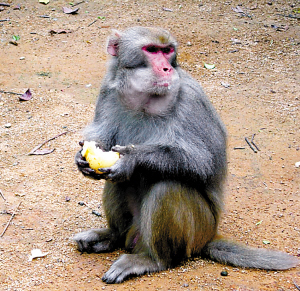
(228, 252)
(164, 197)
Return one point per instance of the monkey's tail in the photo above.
(232, 253)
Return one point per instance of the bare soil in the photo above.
(255, 51)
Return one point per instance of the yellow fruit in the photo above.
(97, 158)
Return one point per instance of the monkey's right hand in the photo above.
(84, 168)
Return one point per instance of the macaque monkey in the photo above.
(163, 197)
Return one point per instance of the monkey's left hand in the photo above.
(84, 167)
(123, 168)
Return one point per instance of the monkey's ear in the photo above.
(113, 43)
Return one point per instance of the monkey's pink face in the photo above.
(159, 58)
(153, 88)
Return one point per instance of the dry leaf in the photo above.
(43, 152)
(209, 66)
(238, 9)
(69, 10)
(36, 253)
(44, 1)
(26, 96)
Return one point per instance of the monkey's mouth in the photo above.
(162, 84)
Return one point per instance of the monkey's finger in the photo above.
(80, 160)
(105, 172)
(87, 171)
(122, 149)
(81, 143)
(90, 173)
(82, 163)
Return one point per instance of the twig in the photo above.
(2, 20)
(238, 148)
(250, 145)
(44, 16)
(92, 22)
(4, 4)
(253, 142)
(40, 145)
(9, 221)
(2, 195)
(297, 286)
(8, 92)
(77, 3)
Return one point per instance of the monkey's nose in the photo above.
(167, 70)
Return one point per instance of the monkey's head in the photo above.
(145, 69)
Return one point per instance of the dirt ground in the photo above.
(255, 50)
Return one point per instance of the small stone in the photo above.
(96, 213)
(7, 125)
(224, 273)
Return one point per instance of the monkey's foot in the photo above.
(130, 265)
(95, 240)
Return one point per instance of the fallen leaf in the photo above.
(167, 9)
(36, 253)
(253, 7)
(17, 7)
(238, 9)
(209, 66)
(44, 1)
(69, 10)
(26, 96)
(258, 223)
(266, 242)
(43, 152)
(15, 37)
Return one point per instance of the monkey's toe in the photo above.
(129, 265)
(115, 275)
(94, 241)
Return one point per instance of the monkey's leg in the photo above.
(119, 220)
(175, 223)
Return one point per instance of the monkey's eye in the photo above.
(167, 50)
(152, 49)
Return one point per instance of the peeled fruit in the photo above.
(97, 158)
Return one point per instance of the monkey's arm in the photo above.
(196, 165)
